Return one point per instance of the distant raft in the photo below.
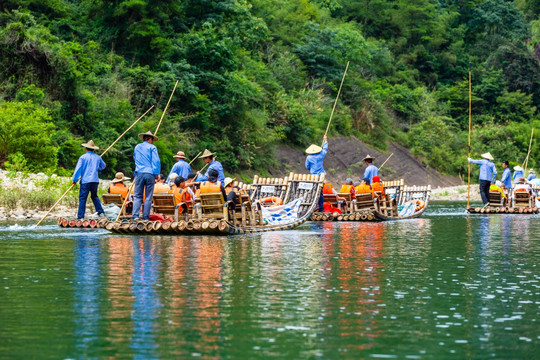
(399, 202)
(502, 210)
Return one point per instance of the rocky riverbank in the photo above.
(456, 193)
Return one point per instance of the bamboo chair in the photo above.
(115, 199)
(348, 201)
(522, 199)
(166, 204)
(496, 199)
(363, 201)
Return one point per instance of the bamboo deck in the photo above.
(502, 210)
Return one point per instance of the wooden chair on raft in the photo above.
(496, 199)
(347, 204)
(386, 204)
(522, 199)
(213, 206)
(363, 201)
(332, 199)
(165, 204)
(115, 199)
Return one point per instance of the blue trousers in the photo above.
(144, 184)
(321, 203)
(91, 188)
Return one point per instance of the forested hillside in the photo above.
(258, 73)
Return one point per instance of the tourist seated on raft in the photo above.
(522, 186)
(377, 186)
(328, 188)
(181, 193)
(497, 187)
(364, 187)
(118, 187)
(160, 187)
(232, 194)
(212, 185)
(348, 187)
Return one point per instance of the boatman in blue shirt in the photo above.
(518, 174)
(488, 172)
(314, 163)
(87, 170)
(208, 158)
(147, 168)
(532, 175)
(506, 178)
(371, 169)
(181, 168)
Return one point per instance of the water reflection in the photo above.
(438, 286)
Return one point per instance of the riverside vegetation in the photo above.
(254, 74)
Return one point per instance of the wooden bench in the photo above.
(385, 204)
(115, 199)
(166, 204)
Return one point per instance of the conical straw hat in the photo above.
(141, 135)
(368, 157)
(180, 155)
(207, 153)
(487, 156)
(119, 177)
(313, 149)
(518, 168)
(531, 170)
(90, 145)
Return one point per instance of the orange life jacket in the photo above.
(162, 188)
(119, 188)
(209, 187)
(347, 189)
(363, 189)
(378, 187)
(328, 189)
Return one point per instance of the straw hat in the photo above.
(487, 156)
(531, 170)
(227, 181)
(90, 145)
(172, 176)
(368, 157)
(180, 155)
(142, 135)
(207, 153)
(313, 149)
(518, 168)
(119, 177)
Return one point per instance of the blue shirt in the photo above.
(314, 162)
(146, 159)
(517, 174)
(488, 172)
(506, 178)
(213, 165)
(370, 172)
(181, 168)
(531, 177)
(87, 168)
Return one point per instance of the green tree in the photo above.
(26, 128)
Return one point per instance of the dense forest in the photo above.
(256, 73)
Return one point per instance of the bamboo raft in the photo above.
(502, 210)
(246, 220)
(520, 203)
(365, 208)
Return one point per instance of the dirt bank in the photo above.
(345, 156)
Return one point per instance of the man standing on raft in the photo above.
(488, 172)
(314, 163)
(371, 170)
(87, 169)
(147, 168)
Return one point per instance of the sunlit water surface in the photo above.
(445, 286)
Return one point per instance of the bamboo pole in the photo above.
(385, 161)
(335, 102)
(526, 162)
(195, 158)
(470, 127)
(106, 150)
(155, 134)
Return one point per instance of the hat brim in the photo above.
(179, 157)
(313, 149)
(368, 158)
(145, 134)
(120, 180)
(90, 146)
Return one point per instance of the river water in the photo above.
(445, 286)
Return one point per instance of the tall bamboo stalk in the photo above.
(335, 102)
(470, 128)
(195, 158)
(106, 150)
(526, 162)
(385, 161)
